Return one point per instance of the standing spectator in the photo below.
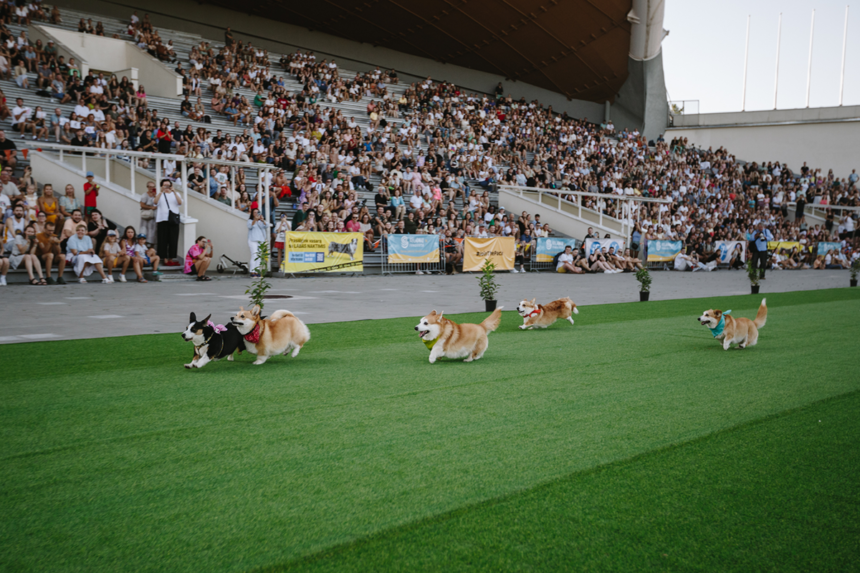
(167, 219)
(199, 258)
(281, 237)
(256, 234)
(758, 246)
(148, 211)
(91, 193)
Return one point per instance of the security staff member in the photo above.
(758, 247)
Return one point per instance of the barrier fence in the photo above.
(412, 253)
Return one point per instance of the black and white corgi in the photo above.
(211, 343)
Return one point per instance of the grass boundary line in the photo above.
(462, 510)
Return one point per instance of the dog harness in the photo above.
(254, 336)
(217, 327)
(533, 313)
(721, 326)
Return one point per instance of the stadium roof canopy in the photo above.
(578, 48)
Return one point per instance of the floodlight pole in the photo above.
(844, 44)
(776, 74)
(809, 69)
(746, 60)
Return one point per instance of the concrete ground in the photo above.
(95, 310)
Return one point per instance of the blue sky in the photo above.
(703, 56)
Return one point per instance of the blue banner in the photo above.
(730, 249)
(591, 245)
(824, 247)
(663, 250)
(548, 247)
(413, 248)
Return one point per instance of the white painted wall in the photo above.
(825, 145)
(116, 56)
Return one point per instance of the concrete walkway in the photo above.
(95, 310)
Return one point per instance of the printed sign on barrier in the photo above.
(500, 250)
(548, 247)
(323, 252)
(413, 249)
(727, 250)
(787, 245)
(825, 247)
(660, 251)
(591, 245)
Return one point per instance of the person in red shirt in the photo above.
(352, 224)
(91, 193)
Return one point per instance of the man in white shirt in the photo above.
(21, 116)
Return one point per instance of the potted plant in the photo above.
(754, 275)
(855, 268)
(489, 287)
(644, 278)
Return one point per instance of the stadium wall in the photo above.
(823, 137)
(210, 21)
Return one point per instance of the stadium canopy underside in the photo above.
(578, 48)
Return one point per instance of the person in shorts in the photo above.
(146, 256)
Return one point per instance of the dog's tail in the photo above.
(278, 314)
(492, 322)
(761, 316)
(570, 304)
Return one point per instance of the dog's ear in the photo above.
(718, 313)
(241, 309)
(206, 320)
(256, 310)
(533, 301)
(192, 318)
(441, 313)
(432, 313)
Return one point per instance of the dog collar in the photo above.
(430, 343)
(721, 326)
(254, 335)
(533, 313)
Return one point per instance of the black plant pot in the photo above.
(643, 296)
(854, 282)
(755, 288)
(491, 305)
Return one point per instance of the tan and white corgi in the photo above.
(731, 330)
(541, 316)
(447, 338)
(277, 334)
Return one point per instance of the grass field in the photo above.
(628, 442)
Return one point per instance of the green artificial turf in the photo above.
(116, 458)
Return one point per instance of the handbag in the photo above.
(147, 214)
(173, 218)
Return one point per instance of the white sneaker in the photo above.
(3, 280)
(418, 273)
(110, 278)
(122, 278)
(514, 271)
(106, 281)
(82, 280)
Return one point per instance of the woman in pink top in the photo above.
(197, 260)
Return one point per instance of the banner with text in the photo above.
(660, 251)
(413, 248)
(323, 253)
(548, 247)
(777, 246)
(591, 245)
(728, 250)
(500, 251)
(824, 247)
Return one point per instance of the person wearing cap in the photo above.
(113, 256)
(143, 256)
(91, 193)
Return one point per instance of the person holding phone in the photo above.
(257, 229)
(281, 236)
(167, 202)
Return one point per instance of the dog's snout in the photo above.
(416, 328)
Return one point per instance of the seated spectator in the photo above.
(198, 258)
(566, 262)
(81, 254)
(48, 251)
(143, 256)
(23, 250)
(113, 255)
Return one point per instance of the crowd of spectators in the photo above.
(434, 151)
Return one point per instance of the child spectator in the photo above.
(113, 255)
(143, 256)
(91, 193)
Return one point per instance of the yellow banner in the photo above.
(787, 245)
(500, 250)
(323, 253)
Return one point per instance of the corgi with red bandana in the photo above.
(277, 334)
(541, 316)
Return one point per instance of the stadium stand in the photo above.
(360, 151)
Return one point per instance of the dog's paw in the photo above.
(189, 366)
(523, 327)
(230, 358)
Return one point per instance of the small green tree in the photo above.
(644, 278)
(258, 287)
(855, 268)
(753, 273)
(487, 280)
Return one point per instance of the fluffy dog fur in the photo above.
(457, 340)
(740, 331)
(210, 345)
(278, 333)
(541, 316)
